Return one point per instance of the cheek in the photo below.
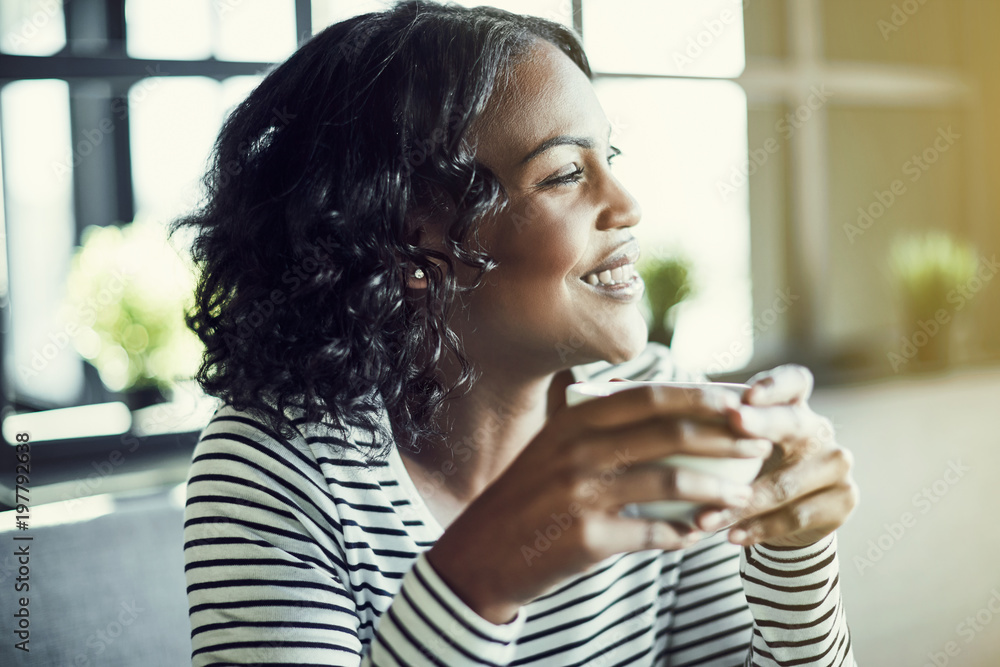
(542, 243)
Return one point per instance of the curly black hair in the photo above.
(307, 228)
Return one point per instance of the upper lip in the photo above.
(627, 253)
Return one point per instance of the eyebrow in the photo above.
(561, 140)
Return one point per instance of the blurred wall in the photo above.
(864, 141)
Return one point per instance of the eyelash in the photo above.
(574, 176)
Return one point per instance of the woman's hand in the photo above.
(554, 511)
(805, 490)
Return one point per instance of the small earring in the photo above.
(418, 274)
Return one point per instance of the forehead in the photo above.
(545, 95)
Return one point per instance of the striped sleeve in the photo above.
(794, 595)
(266, 575)
(427, 624)
(711, 623)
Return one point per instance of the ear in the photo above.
(425, 227)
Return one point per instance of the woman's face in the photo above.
(549, 304)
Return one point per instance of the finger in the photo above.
(653, 482)
(782, 423)
(657, 438)
(640, 403)
(803, 522)
(790, 383)
(786, 485)
(618, 534)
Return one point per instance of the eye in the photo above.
(615, 152)
(566, 178)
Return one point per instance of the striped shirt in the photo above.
(298, 554)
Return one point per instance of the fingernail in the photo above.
(714, 520)
(691, 538)
(722, 400)
(738, 536)
(760, 393)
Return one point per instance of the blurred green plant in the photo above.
(927, 267)
(126, 294)
(668, 281)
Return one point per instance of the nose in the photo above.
(621, 208)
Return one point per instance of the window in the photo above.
(109, 110)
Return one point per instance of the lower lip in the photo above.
(624, 292)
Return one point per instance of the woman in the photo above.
(413, 243)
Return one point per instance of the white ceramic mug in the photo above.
(737, 470)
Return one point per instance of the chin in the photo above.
(628, 344)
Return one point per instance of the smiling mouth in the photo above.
(620, 275)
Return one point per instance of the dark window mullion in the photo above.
(303, 20)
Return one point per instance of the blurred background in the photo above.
(819, 181)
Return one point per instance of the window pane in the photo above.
(40, 236)
(32, 27)
(255, 30)
(173, 122)
(179, 29)
(673, 37)
(560, 11)
(235, 89)
(679, 139)
(327, 12)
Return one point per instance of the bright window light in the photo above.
(255, 30)
(62, 512)
(173, 124)
(668, 37)
(81, 421)
(39, 206)
(560, 11)
(179, 29)
(32, 27)
(678, 138)
(327, 12)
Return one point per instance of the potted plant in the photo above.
(668, 283)
(926, 268)
(126, 296)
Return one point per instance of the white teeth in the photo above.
(621, 274)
